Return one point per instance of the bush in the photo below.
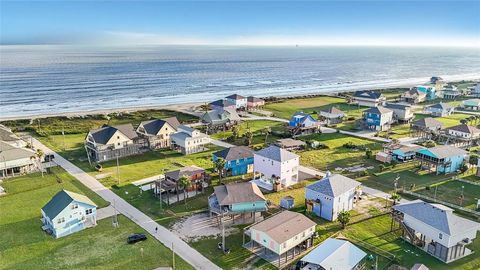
(351, 118)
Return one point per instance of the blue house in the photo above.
(239, 159)
(378, 118)
(428, 90)
(303, 123)
(237, 199)
(442, 159)
(68, 212)
(406, 153)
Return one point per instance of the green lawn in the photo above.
(24, 245)
(451, 192)
(257, 127)
(376, 232)
(336, 155)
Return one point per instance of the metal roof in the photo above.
(276, 153)
(235, 153)
(61, 200)
(242, 192)
(335, 254)
(334, 185)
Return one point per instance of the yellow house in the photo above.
(157, 132)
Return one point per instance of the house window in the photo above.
(284, 245)
(440, 236)
(88, 211)
(118, 137)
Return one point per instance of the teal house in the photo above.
(239, 159)
(244, 198)
(442, 159)
(68, 212)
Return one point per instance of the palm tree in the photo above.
(39, 154)
(395, 198)
(184, 183)
(267, 132)
(463, 121)
(248, 137)
(220, 167)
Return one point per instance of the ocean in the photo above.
(36, 80)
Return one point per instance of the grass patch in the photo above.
(257, 127)
(451, 192)
(24, 245)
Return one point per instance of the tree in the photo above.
(248, 138)
(429, 143)
(184, 183)
(463, 121)
(220, 167)
(267, 132)
(395, 198)
(235, 132)
(368, 153)
(39, 154)
(473, 160)
(344, 218)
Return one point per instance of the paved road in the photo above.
(166, 237)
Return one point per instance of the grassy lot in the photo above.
(451, 192)
(24, 245)
(336, 155)
(296, 191)
(376, 232)
(257, 127)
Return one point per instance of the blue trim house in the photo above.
(331, 195)
(428, 90)
(302, 123)
(239, 159)
(406, 153)
(68, 212)
(442, 159)
(378, 118)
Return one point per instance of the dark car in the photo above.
(136, 237)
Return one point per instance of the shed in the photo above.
(287, 202)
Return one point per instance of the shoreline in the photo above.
(188, 106)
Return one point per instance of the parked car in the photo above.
(136, 237)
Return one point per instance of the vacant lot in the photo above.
(24, 245)
(451, 192)
(258, 128)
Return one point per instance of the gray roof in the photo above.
(443, 151)
(9, 152)
(235, 96)
(289, 142)
(222, 103)
(276, 153)
(185, 171)
(437, 216)
(235, 153)
(284, 226)
(368, 94)
(465, 129)
(334, 185)
(427, 122)
(397, 106)
(152, 127)
(335, 254)
(172, 121)
(238, 193)
(419, 266)
(7, 135)
(103, 134)
(332, 110)
(254, 99)
(61, 200)
(378, 110)
(186, 128)
(414, 92)
(441, 105)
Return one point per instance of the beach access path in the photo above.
(167, 238)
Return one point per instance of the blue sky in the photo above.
(444, 23)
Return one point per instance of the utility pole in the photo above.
(160, 193)
(63, 135)
(118, 172)
(173, 258)
(435, 194)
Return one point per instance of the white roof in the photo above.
(335, 254)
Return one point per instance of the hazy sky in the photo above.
(411, 23)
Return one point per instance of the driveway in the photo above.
(170, 240)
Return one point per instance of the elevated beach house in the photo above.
(331, 195)
(471, 104)
(275, 168)
(401, 113)
(157, 132)
(442, 159)
(406, 153)
(290, 144)
(334, 254)
(220, 120)
(476, 90)
(254, 103)
(15, 161)
(188, 140)
(68, 212)
(414, 96)
(221, 104)
(368, 98)
(303, 123)
(331, 115)
(170, 183)
(425, 127)
(440, 109)
(244, 199)
(461, 135)
(436, 229)
(239, 101)
(449, 91)
(429, 91)
(281, 237)
(378, 118)
(110, 142)
(239, 160)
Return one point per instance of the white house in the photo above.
(401, 113)
(378, 118)
(282, 233)
(440, 109)
(188, 140)
(68, 212)
(436, 229)
(331, 195)
(332, 115)
(275, 167)
(239, 101)
(157, 132)
(16, 160)
(7, 136)
(334, 254)
(463, 131)
(369, 98)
